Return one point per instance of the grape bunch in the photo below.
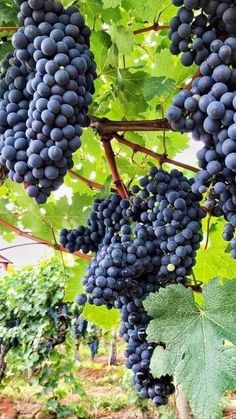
(61, 318)
(79, 327)
(197, 24)
(208, 111)
(103, 220)
(94, 346)
(44, 96)
(141, 243)
(139, 352)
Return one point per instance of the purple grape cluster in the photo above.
(104, 220)
(197, 24)
(208, 110)
(142, 243)
(79, 327)
(139, 352)
(44, 96)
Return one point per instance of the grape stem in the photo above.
(104, 126)
(155, 27)
(121, 188)
(8, 28)
(161, 158)
(208, 231)
(195, 288)
(38, 240)
(90, 183)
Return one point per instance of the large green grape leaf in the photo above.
(5, 47)
(196, 352)
(69, 215)
(112, 14)
(106, 188)
(175, 142)
(67, 3)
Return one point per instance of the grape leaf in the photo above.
(158, 86)
(74, 282)
(105, 191)
(122, 38)
(107, 319)
(104, 55)
(195, 342)
(214, 257)
(90, 9)
(111, 3)
(67, 3)
(171, 68)
(8, 12)
(149, 9)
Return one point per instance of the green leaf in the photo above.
(105, 56)
(195, 337)
(91, 9)
(74, 282)
(212, 257)
(171, 67)
(111, 3)
(5, 48)
(158, 86)
(107, 319)
(67, 3)
(8, 12)
(106, 189)
(122, 38)
(149, 9)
